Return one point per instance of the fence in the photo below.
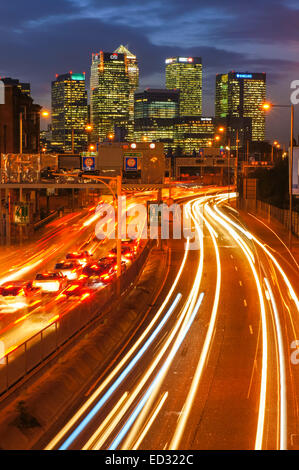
(267, 211)
(28, 355)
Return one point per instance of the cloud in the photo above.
(40, 39)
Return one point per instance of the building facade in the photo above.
(69, 112)
(185, 74)
(109, 93)
(241, 95)
(19, 122)
(155, 114)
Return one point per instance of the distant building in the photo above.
(155, 114)
(185, 74)
(133, 72)
(110, 89)
(69, 112)
(241, 95)
(19, 115)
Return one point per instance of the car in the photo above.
(127, 252)
(71, 269)
(17, 295)
(50, 281)
(111, 260)
(83, 257)
(76, 290)
(97, 274)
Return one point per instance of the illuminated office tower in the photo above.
(185, 74)
(69, 112)
(241, 95)
(109, 93)
(133, 72)
(155, 114)
(193, 133)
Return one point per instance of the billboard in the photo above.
(295, 172)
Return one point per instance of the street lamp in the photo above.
(268, 107)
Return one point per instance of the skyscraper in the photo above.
(155, 113)
(185, 74)
(69, 112)
(109, 93)
(241, 95)
(133, 72)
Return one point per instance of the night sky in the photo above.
(40, 39)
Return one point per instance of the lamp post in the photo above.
(267, 107)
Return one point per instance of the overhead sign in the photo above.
(21, 213)
(88, 163)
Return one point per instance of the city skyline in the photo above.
(155, 32)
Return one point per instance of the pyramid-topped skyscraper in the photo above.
(133, 71)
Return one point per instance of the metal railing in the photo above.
(17, 363)
(268, 212)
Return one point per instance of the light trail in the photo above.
(155, 384)
(263, 387)
(150, 421)
(182, 422)
(282, 372)
(119, 366)
(182, 318)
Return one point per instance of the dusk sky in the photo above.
(40, 39)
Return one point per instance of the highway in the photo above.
(212, 369)
(213, 366)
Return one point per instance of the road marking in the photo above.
(250, 329)
(245, 303)
(236, 268)
(241, 283)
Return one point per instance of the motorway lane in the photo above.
(280, 268)
(280, 413)
(235, 401)
(224, 411)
